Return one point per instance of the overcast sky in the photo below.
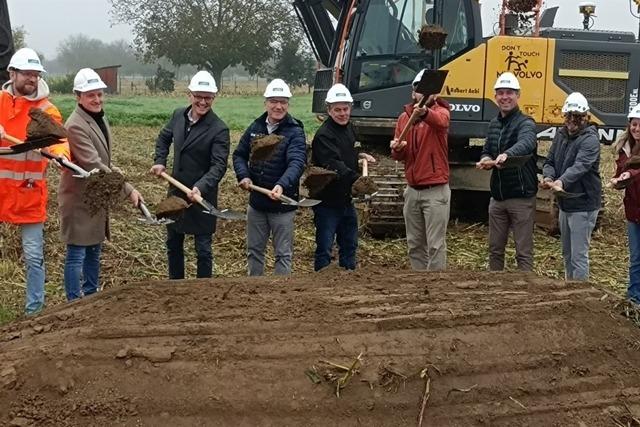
(48, 22)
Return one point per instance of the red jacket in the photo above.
(23, 187)
(632, 192)
(425, 157)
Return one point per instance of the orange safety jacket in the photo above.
(23, 188)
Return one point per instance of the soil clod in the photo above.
(43, 126)
(522, 6)
(316, 179)
(172, 207)
(103, 191)
(432, 37)
(263, 147)
(363, 186)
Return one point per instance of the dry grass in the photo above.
(137, 252)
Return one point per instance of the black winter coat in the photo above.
(333, 148)
(515, 135)
(284, 167)
(199, 159)
(575, 160)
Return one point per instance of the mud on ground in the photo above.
(499, 350)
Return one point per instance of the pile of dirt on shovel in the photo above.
(172, 207)
(43, 126)
(316, 179)
(325, 349)
(431, 37)
(363, 186)
(103, 191)
(263, 147)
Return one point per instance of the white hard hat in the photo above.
(25, 59)
(202, 81)
(87, 80)
(277, 88)
(634, 113)
(338, 93)
(507, 81)
(575, 103)
(418, 77)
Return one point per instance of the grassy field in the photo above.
(237, 112)
(137, 252)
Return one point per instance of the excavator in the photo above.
(372, 47)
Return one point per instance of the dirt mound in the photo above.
(172, 207)
(263, 147)
(103, 191)
(495, 349)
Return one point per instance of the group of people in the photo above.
(201, 148)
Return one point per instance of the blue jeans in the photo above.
(81, 271)
(575, 233)
(33, 249)
(339, 224)
(633, 292)
(175, 253)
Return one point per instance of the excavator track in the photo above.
(381, 215)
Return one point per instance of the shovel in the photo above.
(430, 83)
(24, 146)
(20, 146)
(304, 202)
(150, 219)
(511, 162)
(562, 194)
(365, 173)
(209, 208)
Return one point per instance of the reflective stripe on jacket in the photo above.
(23, 199)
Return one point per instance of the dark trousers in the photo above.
(339, 224)
(175, 253)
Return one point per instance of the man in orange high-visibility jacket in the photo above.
(23, 188)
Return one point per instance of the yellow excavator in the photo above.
(372, 47)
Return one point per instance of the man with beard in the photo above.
(573, 165)
(201, 149)
(23, 199)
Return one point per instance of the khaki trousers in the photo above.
(426, 214)
(506, 215)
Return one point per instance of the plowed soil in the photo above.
(500, 350)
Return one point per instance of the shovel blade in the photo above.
(227, 214)
(566, 195)
(307, 203)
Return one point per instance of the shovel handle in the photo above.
(184, 188)
(145, 211)
(365, 167)
(414, 116)
(12, 139)
(267, 192)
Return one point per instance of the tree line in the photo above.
(247, 37)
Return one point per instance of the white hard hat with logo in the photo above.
(507, 80)
(27, 60)
(87, 80)
(277, 88)
(203, 81)
(338, 93)
(575, 103)
(634, 113)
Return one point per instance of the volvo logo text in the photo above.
(466, 108)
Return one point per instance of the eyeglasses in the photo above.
(207, 99)
(29, 74)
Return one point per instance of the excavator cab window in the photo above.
(387, 52)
